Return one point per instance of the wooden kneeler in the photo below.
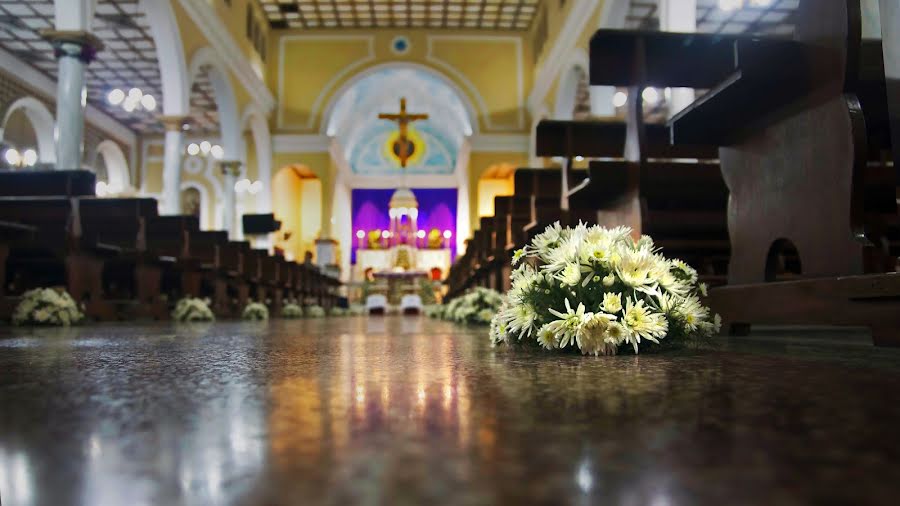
(794, 120)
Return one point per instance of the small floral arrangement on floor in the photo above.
(193, 309)
(291, 311)
(47, 306)
(255, 311)
(598, 289)
(314, 311)
(339, 311)
(357, 310)
(477, 306)
(434, 311)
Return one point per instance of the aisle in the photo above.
(412, 411)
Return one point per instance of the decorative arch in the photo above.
(567, 90)
(464, 96)
(173, 68)
(205, 221)
(254, 119)
(116, 165)
(41, 121)
(542, 113)
(206, 60)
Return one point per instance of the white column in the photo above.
(74, 50)
(678, 16)
(172, 157)
(231, 169)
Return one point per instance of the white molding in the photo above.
(579, 16)
(500, 143)
(170, 54)
(317, 104)
(447, 67)
(299, 143)
(33, 79)
(205, 17)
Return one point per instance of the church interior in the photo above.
(632, 252)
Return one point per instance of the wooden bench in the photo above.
(796, 131)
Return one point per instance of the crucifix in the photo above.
(403, 147)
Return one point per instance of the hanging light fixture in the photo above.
(18, 159)
(204, 149)
(731, 5)
(132, 101)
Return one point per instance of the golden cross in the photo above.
(403, 147)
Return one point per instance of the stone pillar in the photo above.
(74, 50)
(231, 170)
(174, 148)
(678, 16)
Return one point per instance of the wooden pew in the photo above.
(116, 229)
(791, 119)
(11, 233)
(649, 186)
(47, 183)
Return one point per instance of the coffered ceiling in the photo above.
(466, 14)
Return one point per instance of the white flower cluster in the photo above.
(47, 306)
(598, 289)
(478, 306)
(192, 309)
(255, 311)
(434, 311)
(315, 311)
(339, 311)
(291, 310)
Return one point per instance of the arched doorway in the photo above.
(28, 126)
(297, 204)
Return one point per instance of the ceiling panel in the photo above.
(453, 14)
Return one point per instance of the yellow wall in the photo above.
(297, 204)
(492, 69)
(478, 164)
(488, 189)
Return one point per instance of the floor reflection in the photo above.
(403, 410)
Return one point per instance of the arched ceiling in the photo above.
(354, 120)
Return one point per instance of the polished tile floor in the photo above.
(403, 411)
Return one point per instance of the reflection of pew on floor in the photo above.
(121, 260)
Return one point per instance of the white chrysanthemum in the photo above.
(683, 268)
(548, 238)
(520, 319)
(636, 269)
(569, 322)
(703, 289)
(612, 302)
(609, 280)
(547, 335)
(558, 258)
(498, 331)
(692, 313)
(642, 323)
(570, 275)
(517, 256)
(592, 336)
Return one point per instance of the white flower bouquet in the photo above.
(314, 311)
(255, 311)
(339, 311)
(434, 311)
(47, 306)
(477, 306)
(598, 289)
(291, 311)
(192, 309)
